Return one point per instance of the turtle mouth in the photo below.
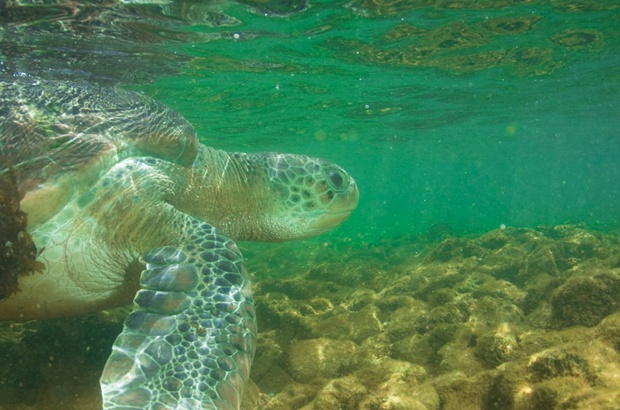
(338, 214)
(329, 220)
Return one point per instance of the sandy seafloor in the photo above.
(510, 319)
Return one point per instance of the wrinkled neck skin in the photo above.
(231, 192)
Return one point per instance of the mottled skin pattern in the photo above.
(124, 203)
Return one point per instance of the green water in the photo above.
(432, 131)
(454, 117)
(475, 115)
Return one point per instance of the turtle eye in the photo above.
(337, 179)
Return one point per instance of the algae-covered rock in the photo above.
(447, 249)
(269, 365)
(558, 362)
(360, 298)
(456, 357)
(394, 397)
(415, 349)
(609, 331)
(460, 392)
(497, 347)
(552, 393)
(506, 262)
(294, 396)
(356, 326)
(319, 358)
(397, 385)
(484, 322)
(342, 393)
(586, 300)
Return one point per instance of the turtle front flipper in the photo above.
(190, 340)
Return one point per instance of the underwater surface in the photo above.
(481, 268)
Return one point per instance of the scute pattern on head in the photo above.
(306, 184)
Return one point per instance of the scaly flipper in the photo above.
(190, 340)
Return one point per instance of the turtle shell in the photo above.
(55, 133)
(52, 127)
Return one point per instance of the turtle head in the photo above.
(309, 195)
(268, 196)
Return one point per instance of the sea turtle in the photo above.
(123, 202)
